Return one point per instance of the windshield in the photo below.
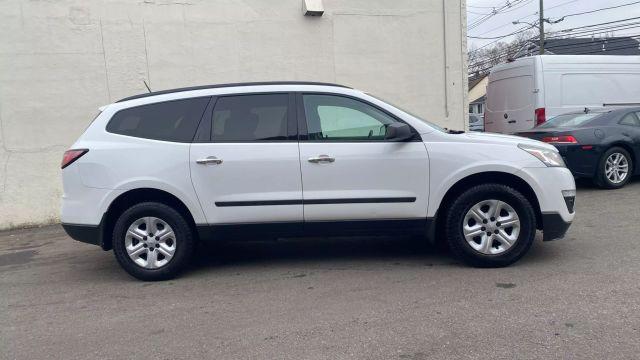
(568, 120)
(408, 112)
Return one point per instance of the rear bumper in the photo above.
(90, 234)
(582, 162)
(554, 226)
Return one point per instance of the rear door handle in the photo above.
(511, 121)
(209, 160)
(321, 159)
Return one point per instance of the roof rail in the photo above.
(202, 87)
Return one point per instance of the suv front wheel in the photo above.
(490, 225)
(152, 241)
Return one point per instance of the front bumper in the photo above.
(90, 234)
(548, 183)
(553, 226)
(555, 189)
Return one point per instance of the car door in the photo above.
(245, 164)
(631, 129)
(349, 170)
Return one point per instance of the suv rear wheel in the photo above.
(152, 241)
(490, 225)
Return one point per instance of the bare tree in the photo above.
(481, 60)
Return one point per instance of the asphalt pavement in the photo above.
(359, 298)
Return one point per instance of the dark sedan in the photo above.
(603, 145)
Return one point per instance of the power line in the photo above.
(604, 27)
(598, 30)
(604, 23)
(506, 51)
(482, 7)
(524, 17)
(509, 48)
(503, 36)
(477, 13)
(601, 30)
(616, 42)
(590, 42)
(495, 11)
(601, 9)
(557, 6)
(497, 38)
(514, 8)
(490, 43)
(586, 47)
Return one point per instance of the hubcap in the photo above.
(616, 168)
(491, 227)
(150, 242)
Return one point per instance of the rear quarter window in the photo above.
(169, 121)
(630, 119)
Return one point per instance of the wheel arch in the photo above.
(136, 196)
(494, 177)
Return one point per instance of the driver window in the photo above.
(336, 118)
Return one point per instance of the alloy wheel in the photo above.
(616, 168)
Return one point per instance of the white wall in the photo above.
(61, 60)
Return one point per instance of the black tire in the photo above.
(602, 180)
(459, 208)
(184, 241)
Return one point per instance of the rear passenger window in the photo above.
(630, 119)
(250, 118)
(170, 121)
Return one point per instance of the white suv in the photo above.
(156, 173)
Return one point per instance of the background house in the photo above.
(61, 60)
(477, 94)
(624, 45)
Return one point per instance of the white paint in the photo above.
(280, 171)
(249, 172)
(366, 170)
(61, 60)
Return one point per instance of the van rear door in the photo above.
(510, 97)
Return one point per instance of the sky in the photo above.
(526, 10)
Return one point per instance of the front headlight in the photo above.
(548, 157)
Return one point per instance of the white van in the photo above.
(528, 91)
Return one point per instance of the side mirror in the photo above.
(398, 132)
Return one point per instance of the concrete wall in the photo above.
(61, 60)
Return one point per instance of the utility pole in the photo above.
(541, 27)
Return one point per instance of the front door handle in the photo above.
(321, 159)
(209, 160)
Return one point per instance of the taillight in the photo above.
(540, 116)
(564, 139)
(72, 155)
